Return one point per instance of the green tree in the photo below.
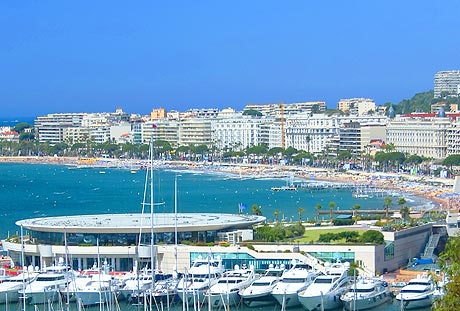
(387, 203)
(449, 261)
(22, 126)
(372, 236)
(403, 209)
(331, 208)
(300, 212)
(256, 210)
(318, 208)
(276, 213)
(452, 160)
(356, 207)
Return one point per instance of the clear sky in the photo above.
(91, 56)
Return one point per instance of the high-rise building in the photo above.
(447, 82)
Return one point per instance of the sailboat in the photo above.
(160, 287)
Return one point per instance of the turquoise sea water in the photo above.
(40, 190)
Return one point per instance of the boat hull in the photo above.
(43, 297)
(9, 296)
(421, 302)
(224, 300)
(192, 297)
(89, 298)
(366, 303)
(258, 300)
(287, 299)
(325, 302)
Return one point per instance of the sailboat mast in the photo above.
(152, 253)
(175, 223)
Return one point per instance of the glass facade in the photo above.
(120, 239)
(389, 251)
(334, 256)
(229, 260)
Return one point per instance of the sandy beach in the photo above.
(422, 186)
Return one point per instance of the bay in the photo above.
(42, 190)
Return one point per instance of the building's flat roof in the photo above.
(133, 223)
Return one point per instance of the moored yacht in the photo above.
(100, 289)
(47, 285)
(203, 273)
(366, 294)
(418, 293)
(9, 288)
(136, 284)
(259, 293)
(292, 282)
(225, 292)
(324, 293)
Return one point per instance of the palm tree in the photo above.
(404, 210)
(331, 207)
(356, 207)
(387, 204)
(256, 210)
(300, 212)
(276, 213)
(318, 207)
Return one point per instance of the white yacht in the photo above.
(9, 287)
(259, 293)
(47, 285)
(203, 273)
(99, 289)
(163, 291)
(365, 294)
(136, 284)
(418, 293)
(292, 282)
(225, 292)
(324, 293)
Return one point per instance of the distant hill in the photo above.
(421, 102)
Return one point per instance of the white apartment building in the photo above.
(422, 136)
(453, 138)
(447, 81)
(161, 129)
(356, 106)
(50, 128)
(195, 132)
(237, 133)
(274, 110)
(310, 132)
(73, 135)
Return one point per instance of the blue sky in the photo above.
(90, 56)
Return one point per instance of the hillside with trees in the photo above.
(421, 102)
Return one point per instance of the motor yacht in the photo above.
(203, 273)
(418, 293)
(259, 293)
(324, 293)
(366, 293)
(292, 282)
(225, 293)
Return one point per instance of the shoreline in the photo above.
(421, 186)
